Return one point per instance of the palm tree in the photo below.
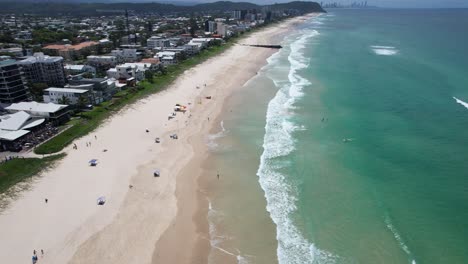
(64, 100)
(82, 101)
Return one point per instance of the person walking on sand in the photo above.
(46, 200)
(42, 253)
(95, 137)
(218, 175)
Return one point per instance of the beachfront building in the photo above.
(193, 48)
(55, 113)
(12, 88)
(41, 68)
(16, 129)
(167, 57)
(130, 70)
(126, 55)
(222, 29)
(71, 52)
(69, 96)
(79, 69)
(102, 88)
(158, 42)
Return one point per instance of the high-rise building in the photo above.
(12, 89)
(41, 68)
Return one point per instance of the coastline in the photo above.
(190, 229)
(136, 224)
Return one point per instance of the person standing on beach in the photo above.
(46, 200)
(95, 137)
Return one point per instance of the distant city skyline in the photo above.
(378, 3)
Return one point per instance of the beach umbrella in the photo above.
(93, 162)
(101, 200)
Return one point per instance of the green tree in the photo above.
(37, 91)
(64, 100)
(149, 76)
(82, 101)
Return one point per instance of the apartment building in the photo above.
(12, 88)
(158, 42)
(41, 68)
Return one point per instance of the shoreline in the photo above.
(134, 222)
(198, 238)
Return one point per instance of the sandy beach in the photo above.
(158, 220)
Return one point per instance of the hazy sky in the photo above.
(380, 3)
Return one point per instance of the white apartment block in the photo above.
(55, 95)
(158, 42)
(130, 70)
(126, 55)
(167, 57)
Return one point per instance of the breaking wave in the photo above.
(465, 104)
(212, 138)
(384, 50)
(281, 197)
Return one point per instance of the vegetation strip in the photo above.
(19, 169)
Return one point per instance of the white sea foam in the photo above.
(281, 197)
(398, 238)
(212, 138)
(384, 50)
(465, 104)
(216, 240)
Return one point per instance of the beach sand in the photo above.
(158, 220)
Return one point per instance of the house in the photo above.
(126, 55)
(130, 70)
(193, 48)
(66, 95)
(79, 69)
(167, 57)
(103, 89)
(158, 42)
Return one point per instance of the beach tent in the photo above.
(101, 200)
(93, 162)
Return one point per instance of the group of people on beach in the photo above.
(35, 258)
(88, 144)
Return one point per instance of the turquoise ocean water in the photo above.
(354, 138)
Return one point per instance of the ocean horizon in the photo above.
(348, 146)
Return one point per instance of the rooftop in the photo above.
(7, 62)
(36, 107)
(72, 47)
(65, 90)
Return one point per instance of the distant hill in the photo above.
(75, 7)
